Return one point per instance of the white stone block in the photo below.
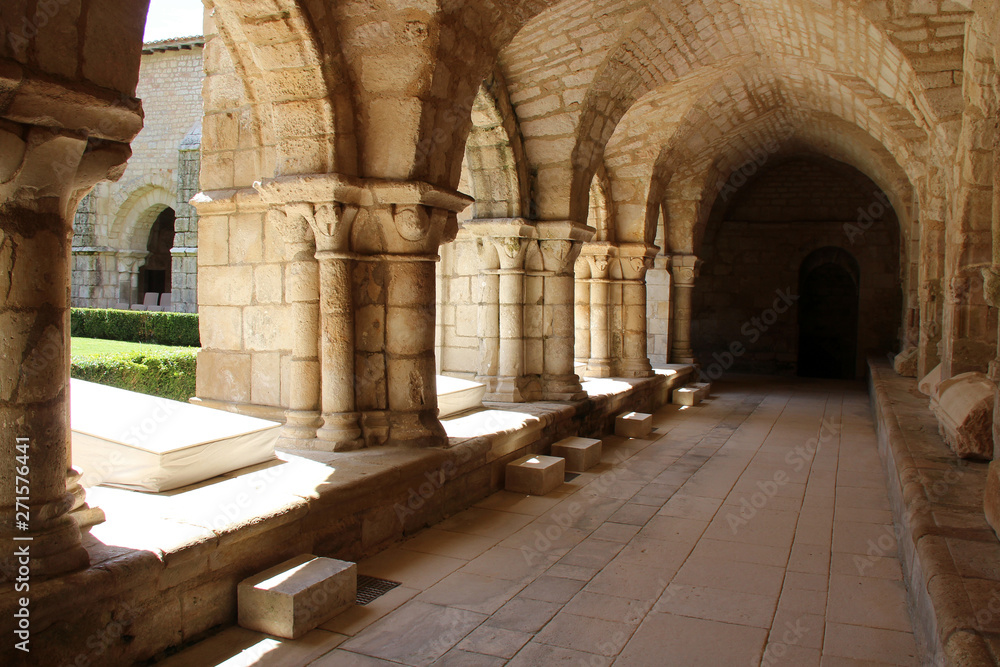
(290, 599)
(581, 454)
(633, 425)
(535, 475)
(704, 389)
(687, 395)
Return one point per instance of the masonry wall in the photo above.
(752, 259)
(112, 224)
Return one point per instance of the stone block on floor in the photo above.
(704, 389)
(633, 425)
(535, 475)
(294, 597)
(581, 454)
(688, 395)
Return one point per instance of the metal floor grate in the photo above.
(372, 588)
(570, 476)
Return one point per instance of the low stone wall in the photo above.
(178, 580)
(950, 555)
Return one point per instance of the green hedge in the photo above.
(137, 326)
(165, 374)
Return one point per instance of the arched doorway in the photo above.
(828, 314)
(154, 275)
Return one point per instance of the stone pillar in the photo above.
(505, 244)
(581, 350)
(129, 262)
(684, 269)
(634, 260)
(396, 238)
(599, 257)
(43, 175)
(559, 246)
(317, 229)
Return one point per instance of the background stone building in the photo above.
(140, 234)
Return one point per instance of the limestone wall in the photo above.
(113, 223)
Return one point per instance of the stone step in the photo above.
(581, 454)
(294, 597)
(633, 425)
(536, 475)
(704, 389)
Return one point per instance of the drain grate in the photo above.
(372, 588)
(570, 476)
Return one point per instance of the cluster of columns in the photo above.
(48, 162)
(362, 256)
(611, 299)
(526, 308)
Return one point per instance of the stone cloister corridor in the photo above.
(585, 207)
(677, 550)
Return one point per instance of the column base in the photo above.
(562, 388)
(513, 390)
(682, 356)
(599, 368)
(340, 433)
(635, 368)
(53, 551)
(300, 425)
(85, 516)
(416, 429)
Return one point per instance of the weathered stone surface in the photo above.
(535, 475)
(633, 425)
(964, 408)
(290, 599)
(928, 386)
(688, 395)
(905, 362)
(581, 454)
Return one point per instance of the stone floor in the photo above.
(722, 540)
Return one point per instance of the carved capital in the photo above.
(635, 259)
(684, 269)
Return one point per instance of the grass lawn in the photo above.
(92, 347)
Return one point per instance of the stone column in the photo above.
(560, 244)
(396, 238)
(128, 275)
(635, 259)
(317, 226)
(599, 257)
(43, 175)
(684, 270)
(505, 242)
(581, 350)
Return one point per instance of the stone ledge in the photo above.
(950, 555)
(165, 567)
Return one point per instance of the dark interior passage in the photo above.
(828, 320)
(154, 275)
(800, 274)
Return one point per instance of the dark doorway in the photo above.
(828, 315)
(154, 275)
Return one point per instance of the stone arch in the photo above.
(494, 165)
(635, 61)
(135, 217)
(295, 102)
